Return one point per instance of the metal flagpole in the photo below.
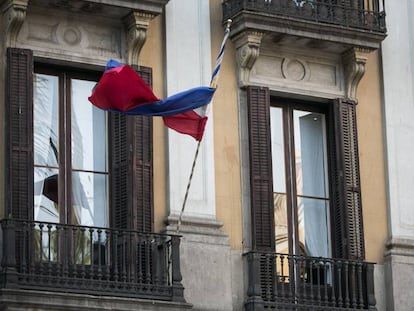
(213, 84)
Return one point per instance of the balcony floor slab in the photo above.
(27, 300)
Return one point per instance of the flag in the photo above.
(122, 90)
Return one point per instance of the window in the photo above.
(304, 177)
(300, 179)
(70, 150)
(69, 162)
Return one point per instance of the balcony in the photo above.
(358, 23)
(87, 260)
(288, 282)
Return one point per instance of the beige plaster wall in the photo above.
(226, 135)
(372, 160)
(152, 56)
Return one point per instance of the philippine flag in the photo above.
(122, 90)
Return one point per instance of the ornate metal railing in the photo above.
(79, 259)
(361, 14)
(288, 282)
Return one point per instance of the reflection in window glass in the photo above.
(45, 117)
(311, 154)
(90, 199)
(314, 227)
(281, 224)
(278, 150)
(300, 181)
(89, 137)
(89, 158)
(46, 148)
(279, 181)
(46, 195)
(312, 183)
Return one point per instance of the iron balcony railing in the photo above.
(289, 282)
(359, 14)
(101, 261)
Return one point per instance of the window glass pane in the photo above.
(311, 154)
(313, 227)
(89, 199)
(89, 130)
(281, 222)
(278, 150)
(45, 120)
(46, 195)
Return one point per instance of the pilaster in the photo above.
(188, 65)
(399, 268)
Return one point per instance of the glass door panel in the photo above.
(279, 180)
(312, 183)
(46, 147)
(89, 158)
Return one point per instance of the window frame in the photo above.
(65, 186)
(347, 224)
(132, 135)
(288, 106)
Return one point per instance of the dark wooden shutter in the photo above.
(119, 171)
(261, 187)
(143, 200)
(19, 145)
(132, 168)
(347, 207)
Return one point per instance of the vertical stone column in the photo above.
(205, 251)
(188, 64)
(398, 68)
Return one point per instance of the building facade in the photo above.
(287, 209)
(398, 95)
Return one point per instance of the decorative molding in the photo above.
(102, 40)
(398, 246)
(248, 50)
(137, 24)
(42, 32)
(295, 69)
(354, 61)
(14, 14)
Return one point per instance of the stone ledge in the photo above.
(197, 229)
(19, 300)
(400, 246)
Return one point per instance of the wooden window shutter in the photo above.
(132, 168)
(261, 187)
(19, 118)
(119, 171)
(348, 225)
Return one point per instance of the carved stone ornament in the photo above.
(137, 24)
(14, 13)
(354, 68)
(248, 50)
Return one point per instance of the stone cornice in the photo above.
(299, 27)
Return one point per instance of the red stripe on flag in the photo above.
(121, 88)
(189, 123)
